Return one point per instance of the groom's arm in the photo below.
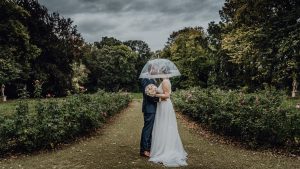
(145, 83)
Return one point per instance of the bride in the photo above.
(166, 143)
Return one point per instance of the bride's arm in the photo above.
(166, 90)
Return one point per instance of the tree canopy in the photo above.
(256, 44)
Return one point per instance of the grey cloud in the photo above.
(95, 27)
(119, 6)
(148, 20)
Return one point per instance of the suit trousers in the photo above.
(146, 136)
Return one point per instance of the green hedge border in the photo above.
(260, 119)
(52, 122)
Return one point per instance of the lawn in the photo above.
(292, 102)
(137, 95)
(8, 108)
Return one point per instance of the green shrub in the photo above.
(257, 119)
(52, 122)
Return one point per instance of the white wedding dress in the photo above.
(166, 145)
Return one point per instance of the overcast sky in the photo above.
(149, 20)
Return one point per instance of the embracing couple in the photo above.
(160, 140)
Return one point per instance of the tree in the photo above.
(36, 45)
(143, 51)
(240, 45)
(188, 49)
(60, 44)
(16, 50)
(224, 73)
(111, 67)
(107, 41)
(262, 35)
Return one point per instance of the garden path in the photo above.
(116, 145)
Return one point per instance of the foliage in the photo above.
(224, 73)
(16, 49)
(36, 45)
(257, 119)
(80, 76)
(23, 92)
(37, 89)
(112, 67)
(143, 51)
(260, 38)
(53, 122)
(240, 46)
(255, 44)
(61, 47)
(188, 49)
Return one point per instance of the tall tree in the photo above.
(224, 74)
(16, 50)
(188, 49)
(257, 35)
(111, 67)
(143, 51)
(60, 43)
(107, 41)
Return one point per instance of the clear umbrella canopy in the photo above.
(159, 68)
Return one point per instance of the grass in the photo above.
(9, 107)
(137, 95)
(117, 146)
(292, 102)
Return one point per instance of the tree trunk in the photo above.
(294, 91)
(3, 92)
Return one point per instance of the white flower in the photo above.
(150, 90)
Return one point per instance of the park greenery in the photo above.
(255, 45)
(243, 69)
(45, 124)
(261, 119)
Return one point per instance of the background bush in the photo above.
(51, 122)
(257, 119)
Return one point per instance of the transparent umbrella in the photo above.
(159, 68)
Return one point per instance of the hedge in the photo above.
(52, 122)
(259, 119)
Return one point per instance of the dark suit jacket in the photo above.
(149, 103)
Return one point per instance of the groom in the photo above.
(149, 110)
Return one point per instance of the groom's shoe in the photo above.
(145, 154)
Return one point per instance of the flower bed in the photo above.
(257, 119)
(57, 121)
